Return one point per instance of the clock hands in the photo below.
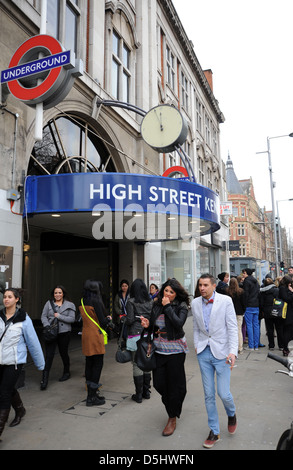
(160, 120)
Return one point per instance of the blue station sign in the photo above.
(128, 194)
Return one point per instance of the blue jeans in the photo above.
(252, 326)
(209, 365)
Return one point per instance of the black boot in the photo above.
(146, 386)
(138, 382)
(92, 398)
(3, 419)
(19, 409)
(44, 381)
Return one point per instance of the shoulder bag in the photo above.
(122, 354)
(50, 332)
(145, 357)
(102, 331)
(279, 309)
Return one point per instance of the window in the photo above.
(66, 32)
(210, 178)
(198, 115)
(120, 69)
(241, 229)
(214, 141)
(170, 60)
(208, 130)
(242, 211)
(235, 211)
(184, 92)
(69, 145)
(200, 170)
(242, 248)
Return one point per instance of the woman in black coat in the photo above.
(286, 294)
(237, 294)
(267, 295)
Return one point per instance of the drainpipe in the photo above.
(16, 115)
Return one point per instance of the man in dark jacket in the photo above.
(251, 316)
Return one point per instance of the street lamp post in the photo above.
(268, 151)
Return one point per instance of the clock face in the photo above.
(164, 127)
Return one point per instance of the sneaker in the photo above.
(232, 424)
(211, 440)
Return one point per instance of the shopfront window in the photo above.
(177, 260)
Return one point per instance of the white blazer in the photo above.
(223, 332)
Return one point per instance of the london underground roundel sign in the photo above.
(41, 71)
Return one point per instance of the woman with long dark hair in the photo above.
(237, 294)
(93, 315)
(286, 294)
(58, 306)
(139, 304)
(168, 317)
(17, 334)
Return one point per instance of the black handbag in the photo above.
(122, 354)
(145, 357)
(50, 332)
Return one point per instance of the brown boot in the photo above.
(19, 409)
(3, 418)
(170, 427)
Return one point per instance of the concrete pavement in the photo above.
(57, 418)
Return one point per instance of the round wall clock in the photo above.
(163, 128)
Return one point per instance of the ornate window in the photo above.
(69, 145)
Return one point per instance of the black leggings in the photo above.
(8, 378)
(170, 382)
(93, 369)
(63, 343)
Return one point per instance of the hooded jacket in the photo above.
(20, 336)
(251, 292)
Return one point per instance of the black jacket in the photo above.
(175, 317)
(251, 292)
(267, 295)
(239, 304)
(287, 296)
(135, 310)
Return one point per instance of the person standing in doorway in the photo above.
(216, 345)
(251, 297)
(60, 307)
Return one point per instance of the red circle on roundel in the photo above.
(175, 169)
(42, 40)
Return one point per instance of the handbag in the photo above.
(145, 357)
(102, 331)
(279, 309)
(122, 354)
(50, 332)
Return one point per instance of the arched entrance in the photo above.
(56, 253)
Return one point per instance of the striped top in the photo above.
(165, 346)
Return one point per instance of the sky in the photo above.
(248, 45)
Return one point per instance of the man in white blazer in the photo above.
(216, 346)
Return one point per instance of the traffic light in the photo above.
(282, 266)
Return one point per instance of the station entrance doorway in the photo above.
(64, 259)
